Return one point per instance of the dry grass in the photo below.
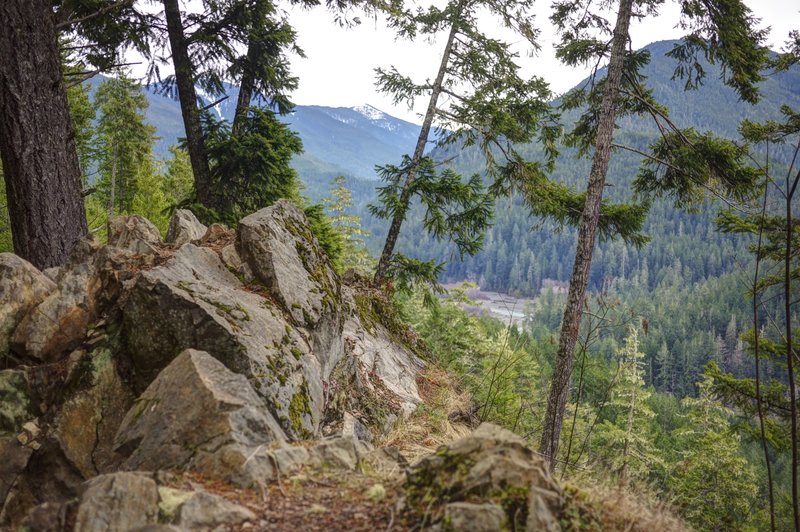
(431, 424)
(592, 505)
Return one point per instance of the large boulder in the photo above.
(134, 233)
(58, 324)
(383, 363)
(117, 502)
(200, 510)
(22, 287)
(184, 227)
(198, 415)
(193, 301)
(279, 248)
(93, 407)
(492, 465)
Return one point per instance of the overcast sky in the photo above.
(340, 63)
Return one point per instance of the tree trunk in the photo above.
(628, 433)
(112, 199)
(246, 88)
(37, 142)
(419, 151)
(559, 388)
(757, 354)
(184, 80)
(787, 296)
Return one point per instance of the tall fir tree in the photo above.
(713, 484)
(124, 143)
(723, 32)
(624, 445)
(338, 207)
(491, 106)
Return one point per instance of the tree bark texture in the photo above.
(587, 231)
(187, 95)
(37, 142)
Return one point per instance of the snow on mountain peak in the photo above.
(370, 112)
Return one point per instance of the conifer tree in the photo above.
(714, 485)
(723, 32)
(177, 177)
(124, 143)
(625, 445)
(490, 104)
(83, 115)
(185, 78)
(772, 404)
(251, 170)
(354, 252)
(243, 42)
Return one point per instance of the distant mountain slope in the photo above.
(336, 139)
(356, 138)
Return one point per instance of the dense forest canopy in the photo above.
(665, 357)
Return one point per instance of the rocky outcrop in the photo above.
(494, 466)
(193, 301)
(278, 247)
(134, 233)
(218, 352)
(198, 415)
(22, 287)
(184, 227)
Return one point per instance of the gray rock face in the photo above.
(22, 287)
(491, 462)
(56, 326)
(117, 502)
(193, 301)
(204, 511)
(379, 356)
(184, 227)
(88, 419)
(468, 517)
(277, 245)
(200, 416)
(134, 233)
